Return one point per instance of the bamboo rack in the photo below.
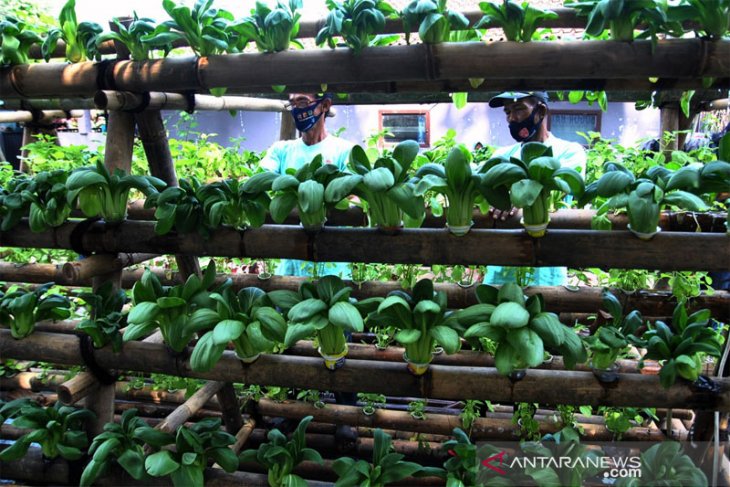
(572, 248)
(441, 382)
(674, 59)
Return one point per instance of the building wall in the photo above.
(474, 123)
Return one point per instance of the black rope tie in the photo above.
(105, 75)
(76, 239)
(142, 106)
(190, 100)
(86, 347)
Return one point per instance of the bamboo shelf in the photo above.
(572, 248)
(689, 59)
(440, 382)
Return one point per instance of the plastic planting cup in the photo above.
(249, 360)
(416, 368)
(461, 230)
(333, 362)
(644, 235)
(537, 230)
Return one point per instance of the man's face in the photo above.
(305, 100)
(518, 111)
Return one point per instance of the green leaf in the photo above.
(160, 464)
(510, 315)
(379, 180)
(524, 193)
(303, 311)
(447, 338)
(227, 331)
(346, 316)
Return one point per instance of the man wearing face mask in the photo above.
(309, 111)
(526, 113)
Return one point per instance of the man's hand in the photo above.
(498, 214)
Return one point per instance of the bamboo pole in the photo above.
(243, 435)
(33, 468)
(45, 116)
(191, 406)
(124, 100)
(441, 382)
(83, 270)
(231, 408)
(572, 248)
(676, 58)
(62, 104)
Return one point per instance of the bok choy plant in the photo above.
(106, 308)
(21, 309)
(432, 19)
(357, 21)
(272, 29)
(239, 205)
(80, 37)
(519, 22)
(17, 40)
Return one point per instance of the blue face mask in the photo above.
(304, 118)
(524, 130)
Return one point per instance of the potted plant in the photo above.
(21, 309)
(433, 20)
(101, 193)
(46, 194)
(371, 401)
(122, 442)
(357, 22)
(181, 208)
(665, 463)
(107, 319)
(520, 327)
(178, 311)
(386, 467)
(519, 22)
(240, 318)
(612, 338)
(528, 184)
(386, 186)
(280, 456)
(422, 321)
(195, 447)
(322, 310)
(239, 205)
(681, 347)
(59, 429)
(459, 185)
(646, 196)
(271, 29)
(312, 189)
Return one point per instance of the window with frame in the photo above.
(566, 124)
(405, 125)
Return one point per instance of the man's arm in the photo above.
(272, 161)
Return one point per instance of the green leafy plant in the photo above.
(80, 37)
(100, 193)
(312, 189)
(520, 327)
(13, 206)
(528, 184)
(422, 321)
(563, 444)
(107, 319)
(203, 28)
(194, 448)
(681, 347)
(371, 401)
(644, 197)
(46, 194)
(470, 413)
(239, 318)
(280, 456)
(385, 468)
(181, 208)
(666, 464)
(524, 418)
(622, 17)
(21, 309)
(460, 186)
(519, 22)
(433, 20)
(712, 16)
(134, 37)
(613, 337)
(322, 310)
(357, 21)
(178, 311)
(58, 429)
(417, 409)
(462, 467)
(17, 39)
(122, 442)
(271, 29)
(386, 186)
(239, 205)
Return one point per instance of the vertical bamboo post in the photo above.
(287, 130)
(231, 408)
(669, 119)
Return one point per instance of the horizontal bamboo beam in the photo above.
(557, 299)
(64, 104)
(441, 382)
(679, 58)
(124, 100)
(96, 265)
(45, 116)
(571, 248)
(441, 424)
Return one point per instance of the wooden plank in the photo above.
(440, 382)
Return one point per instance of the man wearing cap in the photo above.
(309, 111)
(526, 113)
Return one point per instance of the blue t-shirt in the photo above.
(286, 154)
(570, 154)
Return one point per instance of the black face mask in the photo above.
(524, 130)
(304, 118)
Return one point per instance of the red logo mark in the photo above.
(488, 462)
